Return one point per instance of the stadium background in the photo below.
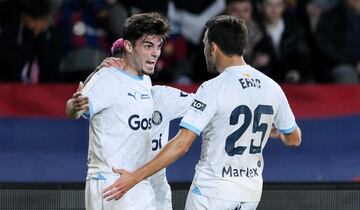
(43, 154)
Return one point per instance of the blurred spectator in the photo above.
(309, 12)
(188, 17)
(87, 28)
(115, 13)
(28, 48)
(244, 10)
(138, 6)
(314, 9)
(282, 53)
(338, 42)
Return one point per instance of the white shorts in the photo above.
(140, 197)
(162, 190)
(195, 201)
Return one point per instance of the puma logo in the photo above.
(132, 95)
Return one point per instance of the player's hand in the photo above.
(111, 62)
(274, 133)
(79, 101)
(120, 186)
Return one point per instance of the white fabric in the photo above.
(130, 201)
(169, 104)
(201, 202)
(236, 111)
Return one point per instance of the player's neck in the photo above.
(132, 71)
(228, 61)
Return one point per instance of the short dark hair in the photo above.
(229, 33)
(142, 24)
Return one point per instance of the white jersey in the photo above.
(120, 109)
(235, 112)
(169, 104)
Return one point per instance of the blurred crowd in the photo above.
(307, 41)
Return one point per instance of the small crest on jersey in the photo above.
(157, 117)
(145, 96)
(198, 105)
(247, 75)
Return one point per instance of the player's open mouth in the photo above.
(150, 62)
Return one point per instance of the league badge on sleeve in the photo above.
(198, 105)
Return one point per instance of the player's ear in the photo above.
(128, 46)
(214, 48)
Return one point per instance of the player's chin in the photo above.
(148, 71)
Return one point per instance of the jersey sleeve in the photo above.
(99, 92)
(171, 100)
(284, 119)
(202, 109)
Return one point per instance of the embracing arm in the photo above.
(177, 147)
(78, 104)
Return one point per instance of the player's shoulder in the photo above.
(213, 84)
(163, 91)
(101, 77)
(271, 85)
(104, 73)
(156, 89)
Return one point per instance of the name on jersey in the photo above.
(229, 171)
(198, 105)
(135, 122)
(249, 82)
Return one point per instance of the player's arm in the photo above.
(289, 139)
(77, 104)
(177, 147)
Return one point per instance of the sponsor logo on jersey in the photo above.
(229, 171)
(157, 118)
(133, 95)
(156, 143)
(198, 105)
(136, 123)
(196, 191)
(145, 96)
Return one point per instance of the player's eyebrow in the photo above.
(151, 43)
(148, 42)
